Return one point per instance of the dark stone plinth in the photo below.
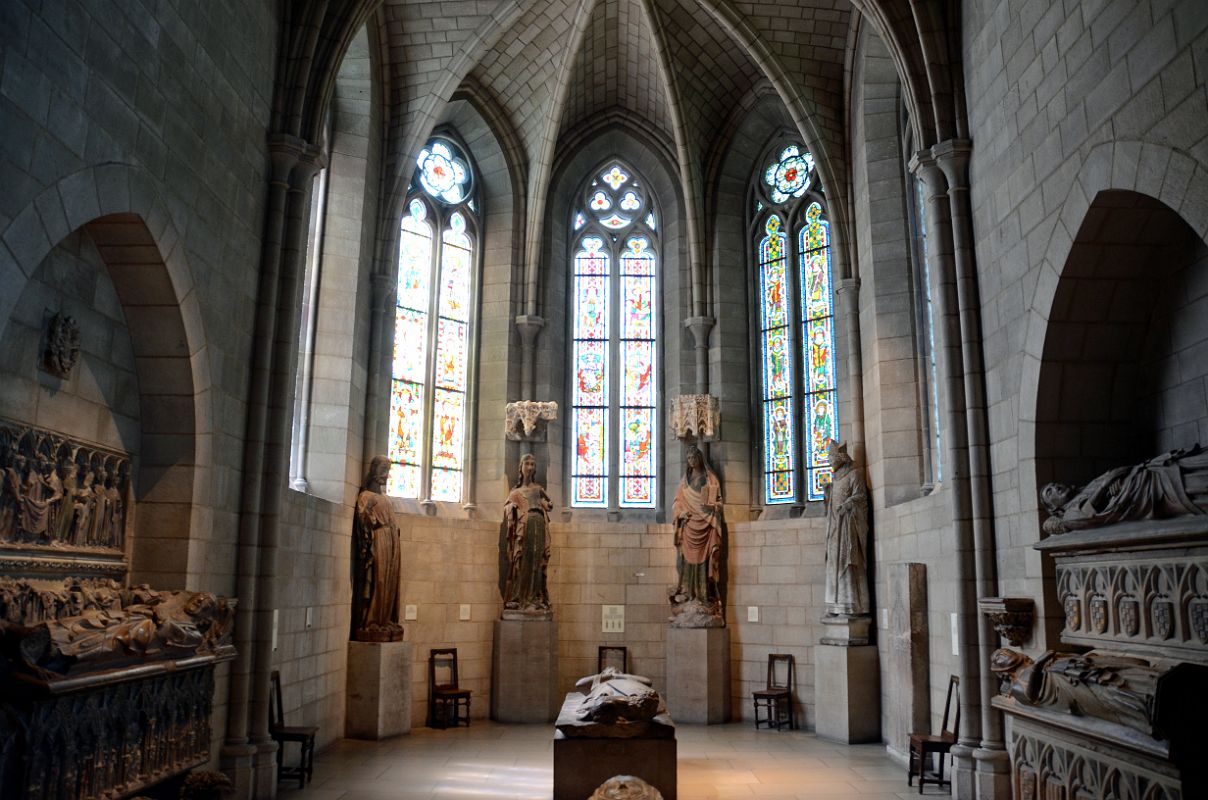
(582, 764)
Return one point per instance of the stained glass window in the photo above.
(614, 297)
(432, 332)
(796, 329)
(924, 279)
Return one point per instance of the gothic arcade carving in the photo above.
(61, 495)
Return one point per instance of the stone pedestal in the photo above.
(698, 675)
(524, 671)
(847, 691)
(378, 699)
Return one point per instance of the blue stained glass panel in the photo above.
(779, 451)
(591, 373)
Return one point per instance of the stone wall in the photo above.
(1065, 101)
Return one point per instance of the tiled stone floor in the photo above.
(497, 762)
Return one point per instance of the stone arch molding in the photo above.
(1166, 174)
(123, 209)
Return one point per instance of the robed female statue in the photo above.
(524, 545)
(697, 514)
(377, 561)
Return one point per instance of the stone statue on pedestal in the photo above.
(846, 591)
(1173, 484)
(377, 561)
(524, 546)
(697, 514)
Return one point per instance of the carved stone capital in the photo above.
(952, 156)
(529, 326)
(700, 327)
(1012, 617)
(695, 416)
(526, 420)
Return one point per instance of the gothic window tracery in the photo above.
(433, 328)
(798, 402)
(614, 323)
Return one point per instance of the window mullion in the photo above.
(438, 246)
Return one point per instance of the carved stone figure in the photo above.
(377, 561)
(58, 493)
(626, 787)
(62, 345)
(527, 419)
(524, 546)
(1173, 484)
(166, 625)
(615, 705)
(697, 514)
(1158, 697)
(846, 590)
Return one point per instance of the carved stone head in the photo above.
(837, 454)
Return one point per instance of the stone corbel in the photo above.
(1012, 617)
(526, 420)
(695, 417)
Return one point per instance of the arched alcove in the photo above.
(1122, 374)
(133, 388)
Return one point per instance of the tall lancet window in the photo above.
(614, 358)
(433, 328)
(790, 235)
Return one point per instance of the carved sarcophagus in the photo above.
(106, 690)
(1130, 551)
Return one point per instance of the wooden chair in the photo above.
(923, 745)
(777, 698)
(304, 736)
(447, 702)
(613, 656)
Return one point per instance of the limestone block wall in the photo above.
(1065, 100)
(99, 400)
(314, 608)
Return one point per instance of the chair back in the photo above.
(614, 656)
(442, 659)
(954, 684)
(276, 712)
(780, 671)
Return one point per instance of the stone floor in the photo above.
(491, 760)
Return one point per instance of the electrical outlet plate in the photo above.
(752, 613)
(411, 612)
(612, 619)
(463, 613)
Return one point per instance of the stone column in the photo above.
(700, 327)
(529, 326)
(941, 265)
(993, 765)
(237, 752)
(524, 670)
(847, 291)
(698, 675)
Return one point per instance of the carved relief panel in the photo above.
(63, 503)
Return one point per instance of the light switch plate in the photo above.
(310, 616)
(275, 618)
(956, 635)
(752, 613)
(612, 619)
(884, 619)
(463, 613)
(411, 612)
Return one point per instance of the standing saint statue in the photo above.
(377, 561)
(697, 514)
(524, 545)
(846, 536)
